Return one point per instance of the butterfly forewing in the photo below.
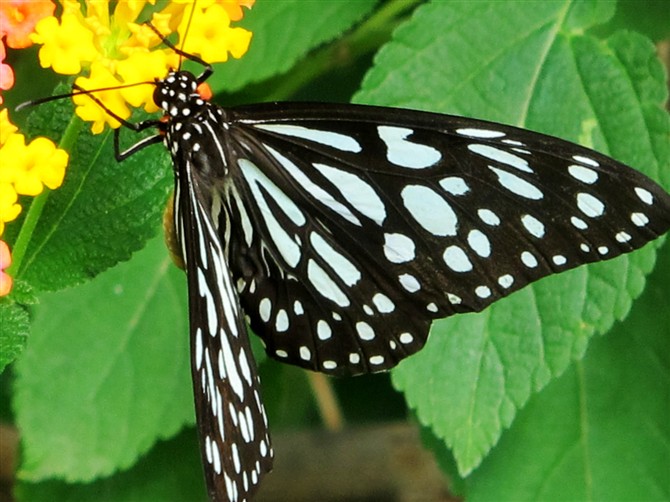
(353, 227)
(232, 423)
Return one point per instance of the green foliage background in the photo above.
(511, 401)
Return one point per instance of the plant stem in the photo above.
(326, 401)
(35, 211)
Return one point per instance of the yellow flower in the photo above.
(142, 67)
(25, 169)
(117, 49)
(89, 110)
(9, 209)
(6, 127)
(31, 167)
(211, 36)
(66, 45)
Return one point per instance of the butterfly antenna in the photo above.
(78, 92)
(207, 72)
(188, 27)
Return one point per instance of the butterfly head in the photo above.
(180, 93)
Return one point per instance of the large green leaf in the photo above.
(533, 66)
(599, 432)
(106, 372)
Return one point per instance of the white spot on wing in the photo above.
(365, 331)
(265, 309)
(328, 138)
(398, 248)
(281, 321)
(456, 259)
(517, 185)
(323, 330)
(506, 280)
(534, 226)
(501, 156)
(216, 458)
(528, 259)
(383, 303)
(623, 236)
(409, 282)
(578, 223)
(198, 348)
(483, 291)
(244, 366)
(479, 243)
(203, 288)
(430, 210)
(377, 360)
(346, 270)
(639, 219)
(247, 228)
(585, 160)
(488, 217)
(644, 195)
(583, 174)
(325, 285)
(590, 205)
(480, 133)
(559, 259)
(404, 153)
(231, 369)
(454, 185)
(357, 192)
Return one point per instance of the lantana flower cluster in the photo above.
(117, 48)
(109, 45)
(25, 167)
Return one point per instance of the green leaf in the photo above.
(600, 432)
(168, 473)
(283, 33)
(103, 212)
(106, 372)
(14, 329)
(534, 67)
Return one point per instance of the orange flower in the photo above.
(19, 17)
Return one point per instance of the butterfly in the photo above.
(340, 232)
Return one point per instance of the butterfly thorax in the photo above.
(192, 127)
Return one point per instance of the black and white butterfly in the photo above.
(340, 232)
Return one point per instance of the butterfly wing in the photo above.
(231, 419)
(353, 227)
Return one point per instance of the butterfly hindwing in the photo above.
(353, 227)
